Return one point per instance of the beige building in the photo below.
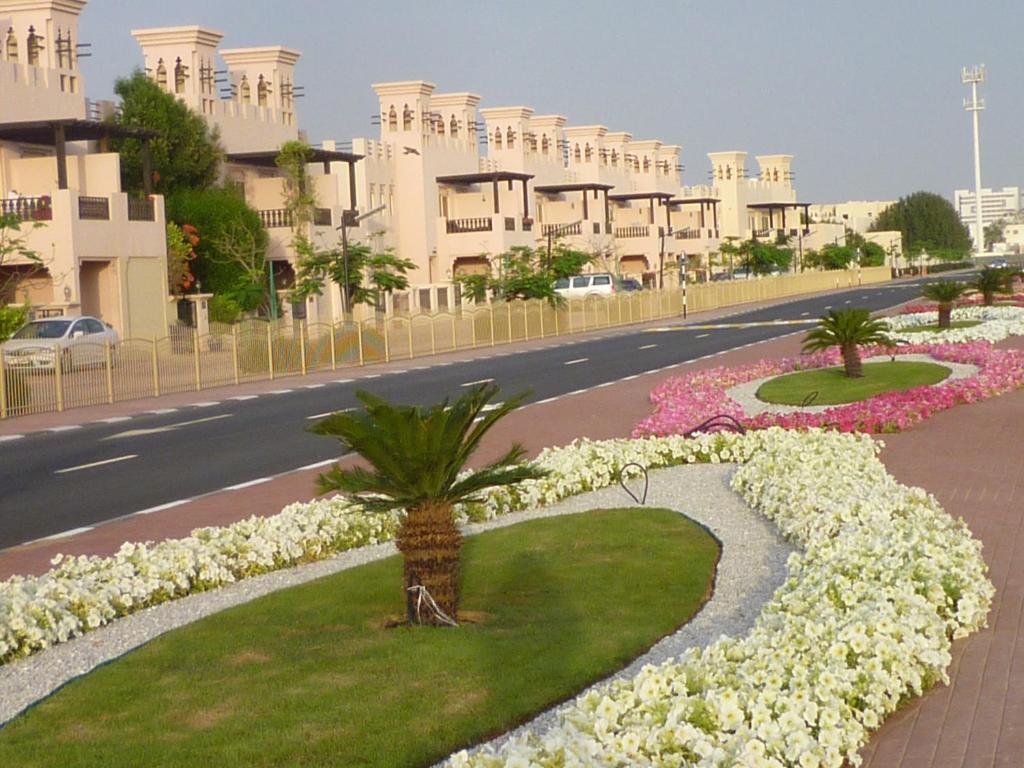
(858, 215)
(104, 254)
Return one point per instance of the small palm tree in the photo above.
(945, 292)
(846, 329)
(417, 457)
(989, 282)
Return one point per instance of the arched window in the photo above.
(392, 119)
(775, 175)
(636, 164)
(440, 126)
(615, 159)
(728, 172)
(545, 145)
(11, 45)
(406, 118)
(179, 76)
(35, 45)
(587, 153)
(262, 91)
(453, 127)
(161, 74)
(244, 91)
(576, 153)
(497, 138)
(647, 164)
(510, 138)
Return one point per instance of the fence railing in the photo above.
(141, 209)
(28, 208)
(94, 208)
(633, 231)
(455, 226)
(94, 374)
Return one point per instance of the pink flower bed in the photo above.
(972, 301)
(682, 403)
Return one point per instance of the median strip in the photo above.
(97, 463)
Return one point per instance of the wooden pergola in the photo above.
(493, 178)
(268, 159)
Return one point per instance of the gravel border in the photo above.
(746, 394)
(751, 567)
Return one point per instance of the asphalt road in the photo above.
(56, 482)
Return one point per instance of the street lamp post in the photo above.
(972, 76)
(350, 220)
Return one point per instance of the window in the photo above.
(262, 91)
(392, 119)
(440, 126)
(244, 91)
(580, 282)
(562, 282)
(615, 159)
(179, 76)
(406, 118)
(602, 280)
(544, 145)
(453, 127)
(647, 164)
(497, 138)
(93, 326)
(161, 74)
(34, 47)
(576, 153)
(510, 138)
(587, 154)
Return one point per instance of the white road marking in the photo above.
(280, 391)
(372, 376)
(114, 420)
(490, 407)
(247, 484)
(648, 346)
(316, 465)
(478, 381)
(167, 428)
(703, 335)
(245, 397)
(9, 438)
(97, 464)
(328, 413)
(577, 361)
(402, 370)
(343, 381)
(162, 507)
(65, 428)
(314, 386)
(65, 534)
(162, 411)
(804, 314)
(846, 302)
(207, 404)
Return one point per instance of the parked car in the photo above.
(630, 284)
(80, 341)
(997, 264)
(583, 286)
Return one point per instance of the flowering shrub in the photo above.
(970, 301)
(682, 403)
(863, 622)
(995, 324)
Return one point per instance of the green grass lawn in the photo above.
(833, 387)
(312, 676)
(953, 324)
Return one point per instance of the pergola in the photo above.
(705, 203)
(492, 178)
(56, 134)
(781, 207)
(584, 187)
(663, 197)
(268, 159)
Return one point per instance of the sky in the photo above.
(866, 95)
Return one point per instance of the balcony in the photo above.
(94, 208)
(281, 218)
(637, 230)
(562, 229)
(693, 233)
(28, 208)
(458, 226)
(141, 209)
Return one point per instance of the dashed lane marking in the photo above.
(92, 464)
(207, 404)
(703, 335)
(9, 438)
(313, 386)
(648, 346)
(168, 427)
(577, 361)
(247, 484)
(64, 428)
(478, 381)
(114, 420)
(245, 397)
(279, 391)
(162, 411)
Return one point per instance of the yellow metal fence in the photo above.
(93, 374)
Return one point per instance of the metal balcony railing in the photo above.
(457, 226)
(280, 218)
(141, 209)
(28, 208)
(510, 224)
(322, 217)
(634, 231)
(94, 208)
(562, 229)
(689, 234)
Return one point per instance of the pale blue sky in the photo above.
(865, 94)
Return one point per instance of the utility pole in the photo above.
(972, 76)
(350, 218)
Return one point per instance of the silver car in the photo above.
(80, 341)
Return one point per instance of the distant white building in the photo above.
(996, 204)
(858, 215)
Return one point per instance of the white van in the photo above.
(582, 286)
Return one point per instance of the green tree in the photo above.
(831, 256)
(231, 252)
(945, 292)
(994, 232)
(366, 277)
(23, 263)
(926, 221)
(847, 329)
(185, 155)
(418, 459)
(180, 251)
(765, 258)
(989, 282)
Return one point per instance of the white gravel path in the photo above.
(746, 394)
(752, 566)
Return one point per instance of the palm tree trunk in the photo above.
(851, 361)
(945, 312)
(990, 298)
(430, 542)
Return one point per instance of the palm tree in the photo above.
(417, 459)
(945, 292)
(989, 282)
(846, 329)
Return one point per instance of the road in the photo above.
(56, 482)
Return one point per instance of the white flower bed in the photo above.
(863, 622)
(996, 323)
